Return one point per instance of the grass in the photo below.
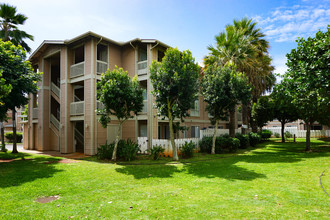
(273, 181)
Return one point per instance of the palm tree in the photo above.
(244, 45)
(9, 20)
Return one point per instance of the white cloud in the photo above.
(285, 24)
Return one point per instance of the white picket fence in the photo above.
(165, 143)
(301, 133)
(209, 132)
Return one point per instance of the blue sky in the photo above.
(179, 23)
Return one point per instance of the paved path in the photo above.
(20, 148)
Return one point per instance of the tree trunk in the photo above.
(14, 132)
(170, 122)
(282, 131)
(232, 123)
(2, 128)
(214, 137)
(308, 137)
(244, 118)
(114, 153)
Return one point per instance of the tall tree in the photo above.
(283, 108)
(175, 83)
(244, 45)
(4, 91)
(19, 74)
(9, 21)
(262, 111)
(308, 79)
(223, 88)
(121, 97)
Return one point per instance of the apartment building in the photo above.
(63, 116)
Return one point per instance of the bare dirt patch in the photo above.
(47, 199)
(6, 161)
(62, 161)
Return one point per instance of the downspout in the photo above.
(154, 46)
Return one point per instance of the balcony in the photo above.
(35, 113)
(77, 69)
(77, 108)
(101, 66)
(142, 67)
(194, 112)
(55, 90)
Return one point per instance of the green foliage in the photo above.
(127, 150)
(287, 135)
(187, 150)
(9, 20)
(308, 79)
(4, 89)
(18, 73)
(119, 94)
(223, 144)
(156, 152)
(223, 88)
(243, 140)
(10, 137)
(262, 111)
(105, 151)
(265, 134)
(254, 139)
(277, 135)
(175, 83)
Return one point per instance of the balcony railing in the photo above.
(35, 113)
(101, 66)
(77, 69)
(194, 112)
(142, 67)
(54, 121)
(145, 106)
(55, 90)
(77, 108)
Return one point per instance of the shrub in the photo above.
(243, 140)
(156, 152)
(265, 134)
(105, 151)
(222, 144)
(10, 137)
(287, 135)
(277, 135)
(254, 139)
(187, 150)
(205, 145)
(126, 150)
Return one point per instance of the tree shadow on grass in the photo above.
(226, 168)
(18, 172)
(149, 171)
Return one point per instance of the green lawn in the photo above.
(273, 181)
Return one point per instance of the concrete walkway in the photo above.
(20, 148)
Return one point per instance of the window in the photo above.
(195, 131)
(102, 53)
(79, 55)
(195, 111)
